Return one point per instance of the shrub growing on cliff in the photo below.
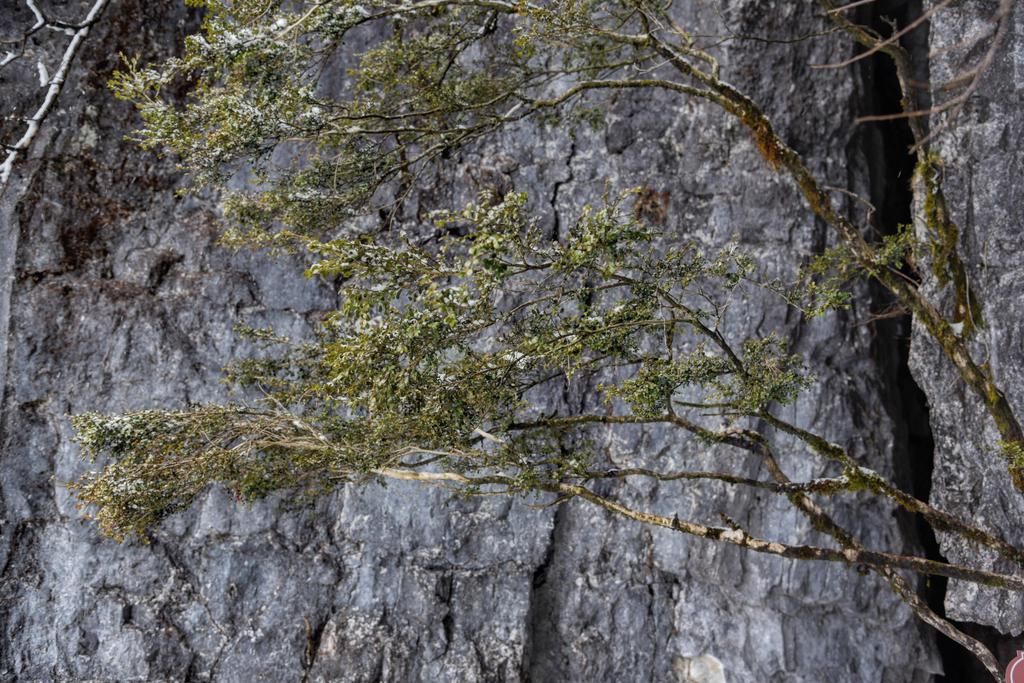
(454, 327)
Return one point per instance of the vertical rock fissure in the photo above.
(540, 648)
(890, 166)
(556, 230)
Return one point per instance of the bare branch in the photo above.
(56, 84)
(741, 538)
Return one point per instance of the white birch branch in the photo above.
(56, 84)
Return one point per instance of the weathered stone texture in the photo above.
(119, 298)
(982, 165)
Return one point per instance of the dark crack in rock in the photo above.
(981, 165)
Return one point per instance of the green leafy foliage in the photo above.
(451, 331)
(434, 346)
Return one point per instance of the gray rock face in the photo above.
(982, 163)
(114, 295)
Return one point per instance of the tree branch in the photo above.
(56, 84)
